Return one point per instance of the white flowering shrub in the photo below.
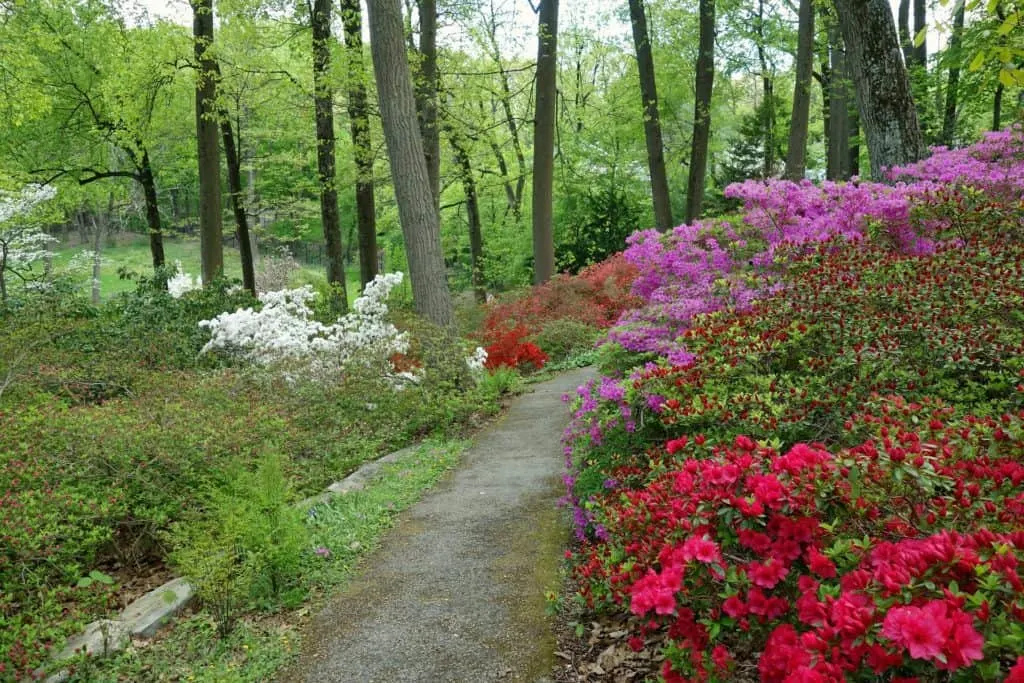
(284, 330)
(181, 282)
(476, 361)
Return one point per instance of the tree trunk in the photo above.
(853, 143)
(156, 235)
(838, 158)
(768, 89)
(997, 108)
(886, 106)
(652, 123)
(237, 204)
(920, 22)
(476, 243)
(417, 213)
(796, 153)
(544, 142)
(210, 228)
(701, 111)
(953, 84)
(97, 261)
(510, 120)
(323, 102)
(903, 27)
(359, 123)
(426, 94)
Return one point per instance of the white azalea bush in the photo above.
(181, 282)
(284, 330)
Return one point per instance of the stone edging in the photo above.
(144, 616)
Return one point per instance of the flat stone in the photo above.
(99, 638)
(146, 615)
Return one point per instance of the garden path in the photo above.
(455, 593)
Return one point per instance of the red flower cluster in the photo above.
(828, 575)
(510, 349)
(595, 296)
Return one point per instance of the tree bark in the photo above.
(359, 123)
(652, 122)
(796, 153)
(884, 100)
(417, 213)
(544, 142)
(903, 27)
(210, 227)
(997, 108)
(838, 142)
(920, 22)
(156, 235)
(426, 94)
(705, 79)
(323, 102)
(231, 155)
(953, 83)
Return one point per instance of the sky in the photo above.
(524, 20)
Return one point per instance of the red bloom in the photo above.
(767, 575)
(819, 564)
(916, 629)
(1016, 674)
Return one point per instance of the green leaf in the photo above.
(920, 37)
(1008, 24)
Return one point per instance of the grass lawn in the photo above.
(131, 252)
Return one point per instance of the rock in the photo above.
(98, 639)
(154, 609)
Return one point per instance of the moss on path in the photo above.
(456, 592)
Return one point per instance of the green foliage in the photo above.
(593, 225)
(564, 337)
(246, 543)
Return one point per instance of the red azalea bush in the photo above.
(896, 557)
(596, 297)
(510, 349)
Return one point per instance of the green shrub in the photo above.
(565, 337)
(247, 544)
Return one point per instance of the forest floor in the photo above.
(456, 591)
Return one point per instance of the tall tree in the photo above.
(884, 100)
(953, 82)
(232, 155)
(476, 242)
(417, 213)
(903, 27)
(359, 123)
(426, 93)
(323, 103)
(796, 153)
(544, 142)
(210, 228)
(840, 101)
(920, 25)
(705, 79)
(768, 121)
(652, 122)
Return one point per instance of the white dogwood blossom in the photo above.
(284, 329)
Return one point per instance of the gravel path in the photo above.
(455, 593)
